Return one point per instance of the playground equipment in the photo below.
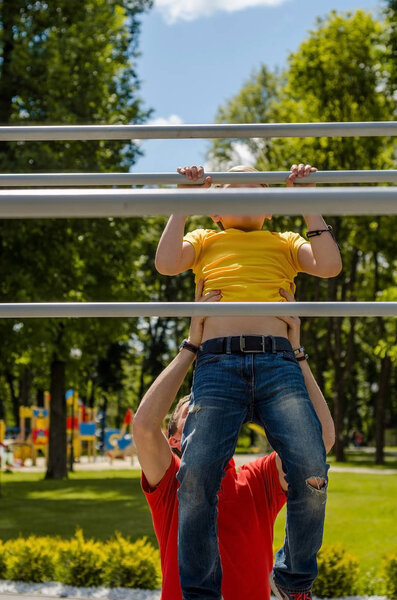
(29, 443)
(119, 442)
(34, 425)
(80, 426)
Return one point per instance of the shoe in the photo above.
(284, 595)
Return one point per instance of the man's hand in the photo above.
(194, 173)
(294, 323)
(197, 323)
(299, 171)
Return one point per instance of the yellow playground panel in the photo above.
(28, 446)
(80, 426)
(2, 430)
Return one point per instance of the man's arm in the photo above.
(315, 394)
(173, 255)
(321, 257)
(153, 450)
(154, 453)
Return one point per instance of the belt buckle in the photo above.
(242, 345)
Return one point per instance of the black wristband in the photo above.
(316, 232)
(304, 357)
(188, 346)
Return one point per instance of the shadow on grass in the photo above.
(100, 504)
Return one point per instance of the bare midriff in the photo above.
(227, 326)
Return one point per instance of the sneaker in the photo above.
(284, 595)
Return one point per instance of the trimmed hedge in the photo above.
(337, 573)
(80, 562)
(30, 559)
(389, 566)
(122, 563)
(131, 565)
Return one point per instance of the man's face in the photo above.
(175, 440)
(243, 222)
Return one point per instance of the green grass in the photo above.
(100, 503)
(361, 509)
(361, 514)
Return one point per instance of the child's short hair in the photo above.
(245, 169)
(242, 169)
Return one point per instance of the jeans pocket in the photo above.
(207, 358)
(289, 355)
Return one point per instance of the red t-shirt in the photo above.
(249, 501)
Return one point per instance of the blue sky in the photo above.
(196, 54)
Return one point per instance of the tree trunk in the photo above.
(9, 14)
(25, 383)
(14, 398)
(40, 397)
(383, 392)
(339, 400)
(57, 456)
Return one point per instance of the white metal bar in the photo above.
(188, 309)
(83, 203)
(270, 177)
(184, 131)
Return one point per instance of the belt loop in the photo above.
(273, 344)
(228, 345)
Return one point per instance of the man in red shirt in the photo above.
(250, 496)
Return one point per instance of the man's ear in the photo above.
(174, 442)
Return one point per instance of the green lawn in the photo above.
(361, 509)
(99, 502)
(361, 514)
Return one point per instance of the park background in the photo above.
(72, 62)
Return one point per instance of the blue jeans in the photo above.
(229, 389)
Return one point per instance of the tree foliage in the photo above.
(339, 73)
(67, 62)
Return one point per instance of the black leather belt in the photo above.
(246, 343)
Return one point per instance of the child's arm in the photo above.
(173, 255)
(321, 257)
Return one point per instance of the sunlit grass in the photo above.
(361, 509)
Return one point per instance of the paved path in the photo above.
(103, 463)
(241, 459)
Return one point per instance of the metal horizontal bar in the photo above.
(83, 203)
(185, 131)
(189, 309)
(270, 177)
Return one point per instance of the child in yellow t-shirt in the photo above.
(246, 369)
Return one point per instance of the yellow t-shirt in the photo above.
(247, 266)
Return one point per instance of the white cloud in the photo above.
(171, 120)
(189, 10)
(240, 154)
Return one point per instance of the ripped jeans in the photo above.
(229, 389)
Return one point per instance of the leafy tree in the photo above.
(391, 43)
(335, 75)
(67, 62)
